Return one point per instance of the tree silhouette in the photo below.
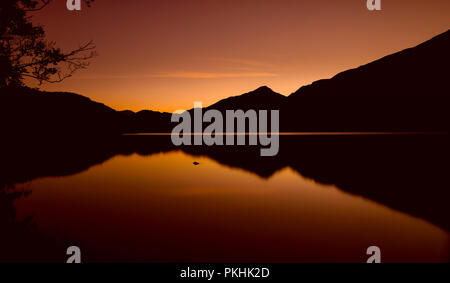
(25, 52)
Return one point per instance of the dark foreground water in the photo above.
(322, 199)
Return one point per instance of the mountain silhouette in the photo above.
(30, 111)
(144, 121)
(27, 111)
(405, 91)
(261, 98)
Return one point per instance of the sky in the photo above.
(165, 54)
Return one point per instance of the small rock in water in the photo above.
(196, 163)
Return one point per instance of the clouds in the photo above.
(181, 75)
(197, 75)
(208, 68)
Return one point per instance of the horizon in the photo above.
(176, 54)
(252, 90)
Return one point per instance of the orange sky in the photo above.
(166, 54)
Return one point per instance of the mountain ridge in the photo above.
(263, 96)
(403, 91)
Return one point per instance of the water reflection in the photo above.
(139, 199)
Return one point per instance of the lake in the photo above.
(144, 202)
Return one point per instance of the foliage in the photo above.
(25, 52)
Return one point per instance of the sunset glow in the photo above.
(165, 54)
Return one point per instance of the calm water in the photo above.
(160, 207)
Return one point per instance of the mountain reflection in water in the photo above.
(138, 198)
